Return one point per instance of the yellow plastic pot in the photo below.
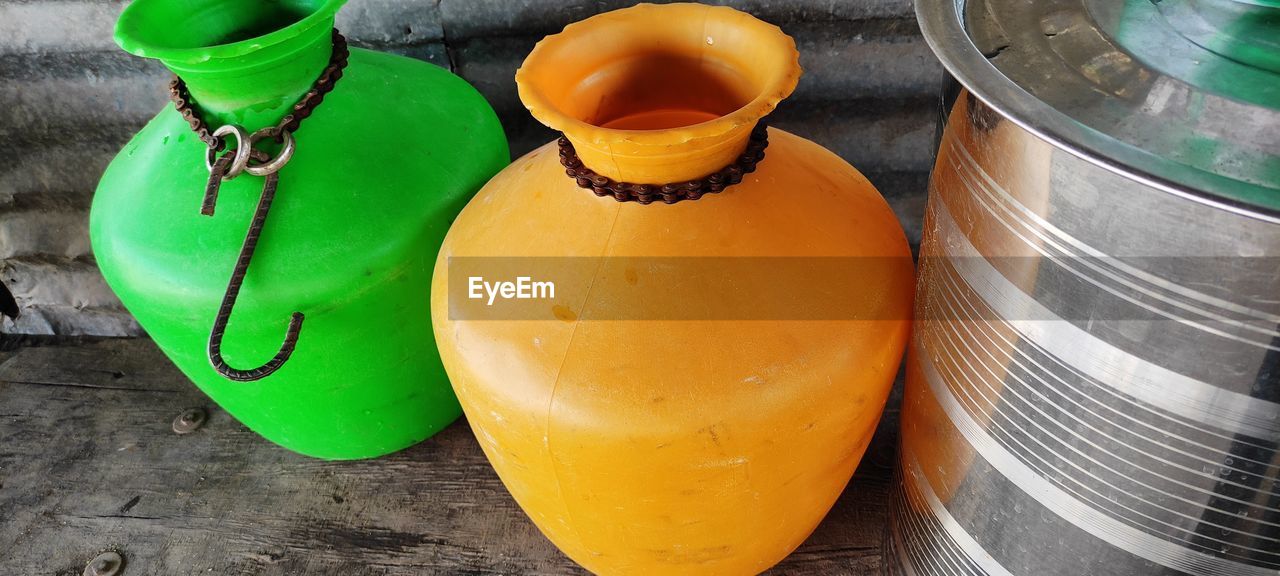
(649, 445)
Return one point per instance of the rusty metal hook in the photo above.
(237, 280)
(232, 163)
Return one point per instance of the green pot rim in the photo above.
(130, 36)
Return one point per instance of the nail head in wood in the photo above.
(109, 563)
(189, 420)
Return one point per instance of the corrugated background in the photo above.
(69, 99)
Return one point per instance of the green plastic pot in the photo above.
(380, 170)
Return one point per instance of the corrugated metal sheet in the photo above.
(69, 99)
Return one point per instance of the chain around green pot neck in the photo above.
(226, 162)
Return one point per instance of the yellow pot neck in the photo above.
(655, 94)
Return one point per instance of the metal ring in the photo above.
(243, 146)
(275, 164)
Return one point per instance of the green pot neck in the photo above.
(244, 62)
(257, 89)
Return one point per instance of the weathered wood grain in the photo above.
(88, 461)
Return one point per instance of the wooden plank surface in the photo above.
(88, 461)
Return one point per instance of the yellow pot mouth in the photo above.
(728, 65)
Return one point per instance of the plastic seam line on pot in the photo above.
(739, 431)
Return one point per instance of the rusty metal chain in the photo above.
(181, 99)
(243, 158)
(667, 193)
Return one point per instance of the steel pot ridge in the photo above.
(1093, 385)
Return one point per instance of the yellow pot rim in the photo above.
(777, 43)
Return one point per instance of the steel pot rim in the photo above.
(941, 22)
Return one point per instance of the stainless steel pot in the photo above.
(1094, 382)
